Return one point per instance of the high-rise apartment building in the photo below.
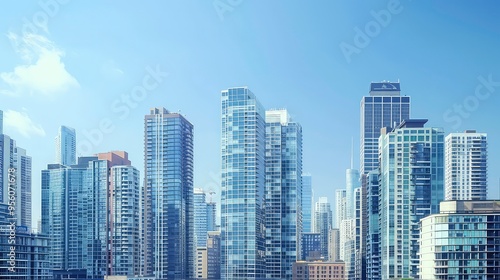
(466, 170)
(243, 185)
(283, 193)
(323, 223)
(384, 107)
(461, 242)
(307, 203)
(168, 195)
(213, 255)
(411, 183)
(373, 230)
(340, 207)
(334, 245)
(200, 218)
(211, 216)
(66, 146)
(90, 211)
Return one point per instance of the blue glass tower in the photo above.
(168, 157)
(283, 193)
(243, 184)
(66, 146)
(307, 203)
(411, 181)
(373, 238)
(200, 218)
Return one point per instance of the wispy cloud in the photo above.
(109, 69)
(21, 122)
(43, 71)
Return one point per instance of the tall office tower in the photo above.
(211, 216)
(125, 235)
(66, 146)
(200, 218)
(64, 213)
(466, 166)
(307, 203)
(358, 267)
(382, 108)
(411, 182)
(283, 193)
(373, 231)
(352, 182)
(347, 243)
(323, 223)
(334, 245)
(340, 207)
(168, 194)
(243, 185)
(461, 242)
(15, 178)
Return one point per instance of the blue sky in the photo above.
(76, 63)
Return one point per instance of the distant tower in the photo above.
(466, 166)
(66, 146)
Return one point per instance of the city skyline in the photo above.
(304, 71)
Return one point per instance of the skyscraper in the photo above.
(340, 207)
(383, 108)
(168, 195)
(90, 212)
(211, 216)
(283, 193)
(66, 146)
(243, 185)
(15, 165)
(373, 231)
(323, 223)
(200, 218)
(466, 166)
(307, 202)
(411, 186)
(352, 182)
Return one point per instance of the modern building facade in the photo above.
(283, 193)
(323, 223)
(461, 242)
(200, 218)
(168, 195)
(211, 216)
(214, 255)
(318, 270)
(384, 107)
(334, 245)
(373, 230)
(66, 146)
(311, 246)
(243, 185)
(90, 213)
(466, 172)
(340, 207)
(307, 203)
(411, 181)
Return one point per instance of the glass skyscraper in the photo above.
(466, 166)
(383, 108)
(168, 195)
(243, 185)
(200, 218)
(323, 223)
(307, 203)
(411, 183)
(66, 146)
(373, 235)
(212, 216)
(283, 193)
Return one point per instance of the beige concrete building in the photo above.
(318, 270)
(201, 264)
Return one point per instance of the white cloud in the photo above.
(109, 69)
(43, 71)
(21, 122)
